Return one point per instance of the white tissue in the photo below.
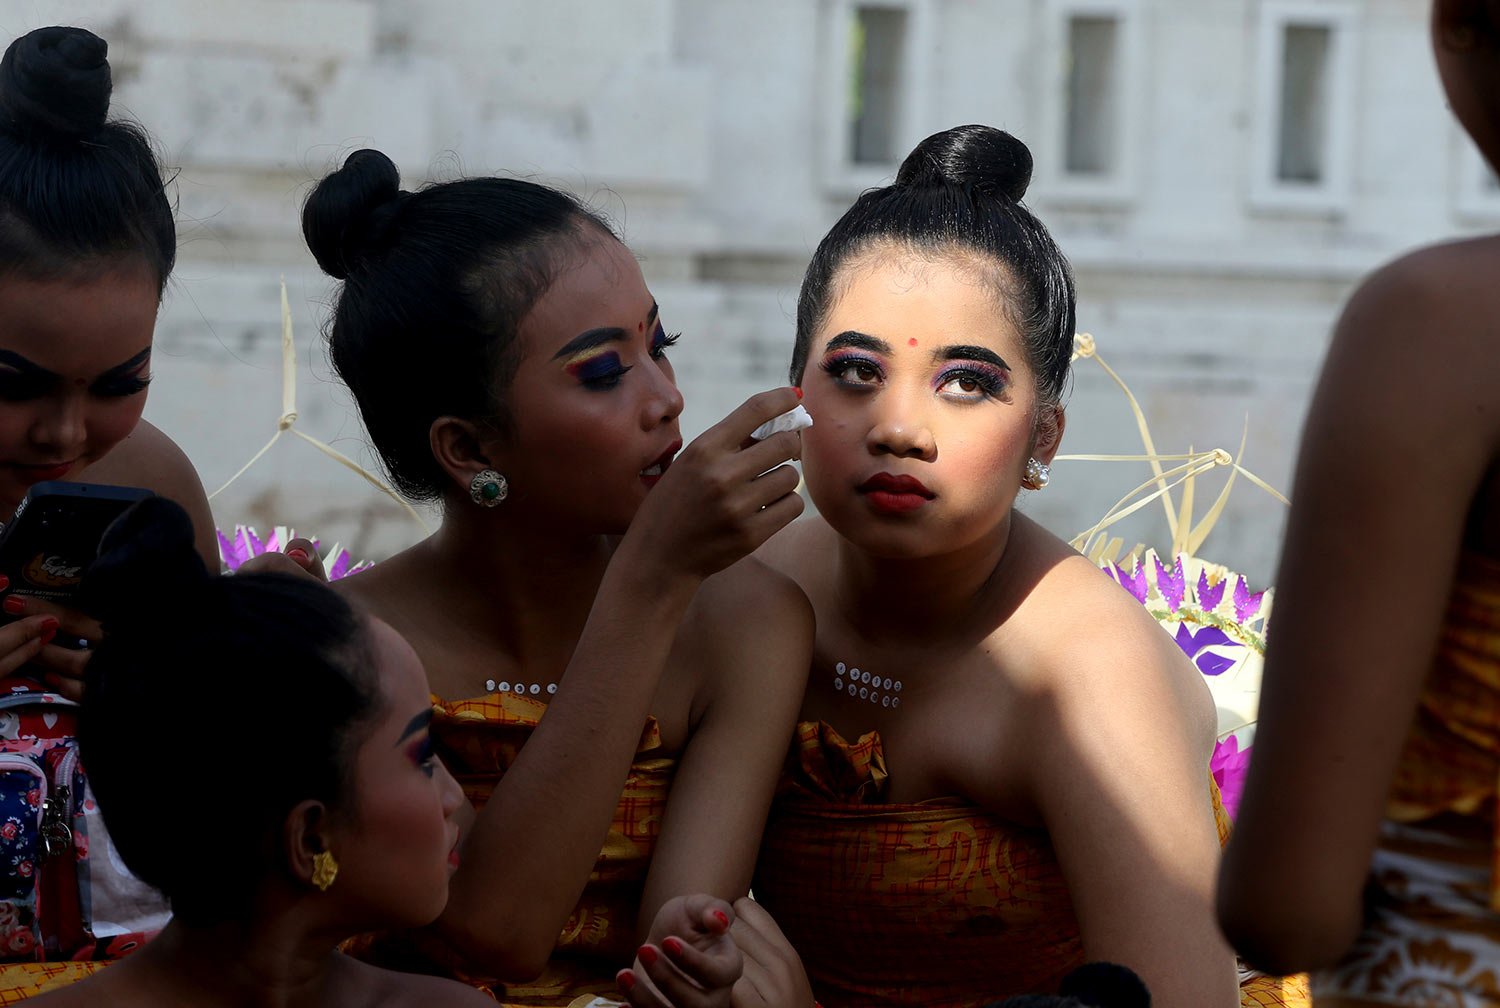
(793, 419)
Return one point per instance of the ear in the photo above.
(462, 448)
(1050, 422)
(305, 836)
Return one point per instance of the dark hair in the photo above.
(211, 708)
(1092, 985)
(76, 189)
(436, 283)
(959, 190)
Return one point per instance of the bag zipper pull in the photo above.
(57, 836)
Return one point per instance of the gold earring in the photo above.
(325, 870)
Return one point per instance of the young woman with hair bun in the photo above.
(593, 632)
(275, 830)
(87, 242)
(1002, 768)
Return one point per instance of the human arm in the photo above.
(1116, 729)
(1394, 448)
(752, 632)
(528, 854)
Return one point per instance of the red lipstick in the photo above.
(653, 473)
(891, 494)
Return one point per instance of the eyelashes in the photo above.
(19, 387)
(972, 381)
(605, 370)
(966, 381)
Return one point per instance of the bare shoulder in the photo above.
(801, 549)
(149, 458)
(1093, 652)
(1438, 303)
(751, 596)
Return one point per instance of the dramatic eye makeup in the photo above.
(852, 360)
(420, 750)
(592, 359)
(975, 373)
(20, 379)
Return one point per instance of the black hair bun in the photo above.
(148, 568)
(351, 210)
(980, 157)
(1108, 985)
(55, 80)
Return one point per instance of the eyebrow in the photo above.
(857, 341)
(10, 358)
(415, 725)
(592, 338)
(968, 352)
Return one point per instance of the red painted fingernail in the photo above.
(4, 582)
(626, 980)
(673, 947)
(299, 554)
(722, 916)
(14, 604)
(647, 955)
(798, 390)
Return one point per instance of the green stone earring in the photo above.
(488, 488)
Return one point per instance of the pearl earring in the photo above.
(1037, 474)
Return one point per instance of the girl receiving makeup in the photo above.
(614, 681)
(1002, 765)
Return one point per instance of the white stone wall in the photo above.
(702, 127)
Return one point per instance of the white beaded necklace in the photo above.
(520, 688)
(864, 686)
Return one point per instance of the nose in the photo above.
(453, 795)
(663, 402)
(60, 425)
(898, 427)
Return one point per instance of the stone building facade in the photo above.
(1219, 173)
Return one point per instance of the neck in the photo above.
(270, 962)
(527, 590)
(923, 598)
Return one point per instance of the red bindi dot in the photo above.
(912, 341)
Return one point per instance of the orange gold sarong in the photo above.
(1432, 922)
(934, 903)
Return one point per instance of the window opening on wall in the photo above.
(877, 49)
(1092, 112)
(1301, 152)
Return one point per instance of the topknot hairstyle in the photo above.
(184, 656)
(1092, 985)
(436, 284)
(959, 190)
(77, 190)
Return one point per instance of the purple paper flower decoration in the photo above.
(1133, 582)
(1246, 605)
(1195, 646)
(1209, 596)
(235, 549)
(1173, 586)
(1229, 764)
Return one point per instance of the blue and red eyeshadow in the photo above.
(601, 367)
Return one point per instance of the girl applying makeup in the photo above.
(87, 242)
(510, 362)
(1002, 766)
